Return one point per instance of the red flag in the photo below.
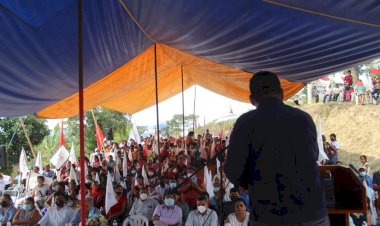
(375, 72)
(145, 151)
(62, 143)
(99, 136)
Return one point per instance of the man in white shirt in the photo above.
(202, 216)
(40, 191)
(334, 148)
(59, 214)
(145, 205)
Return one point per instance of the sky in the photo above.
(208, 106)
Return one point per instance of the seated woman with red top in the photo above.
(117, 211)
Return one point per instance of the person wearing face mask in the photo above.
(145, 205)
(202, 216)
(27, 215)
(215, 199)
(118, 210)
(167, 213)
(7, 210)
(59, 214)
(363, 175)
(229, 206)
(162, 187)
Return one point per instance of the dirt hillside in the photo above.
(357, 129)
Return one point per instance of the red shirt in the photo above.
(347, 80)
(118, 206)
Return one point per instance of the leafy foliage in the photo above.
(119, 122)
(174, 126)
(36, 129)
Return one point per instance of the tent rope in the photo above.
(136, 22)
(322, 14)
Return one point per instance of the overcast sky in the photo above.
(209, 105)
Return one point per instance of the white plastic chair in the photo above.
(136, 220)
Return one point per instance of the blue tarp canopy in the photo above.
(299, 40)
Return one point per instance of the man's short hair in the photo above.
(59, 193)
(41, 177)
(264, 83)
(234, 190)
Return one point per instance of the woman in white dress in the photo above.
(363, 161)
(240, 217)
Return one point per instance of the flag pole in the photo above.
(183, 105)
(27, 138)
(195, 97)
(81, 111)
(96, 130)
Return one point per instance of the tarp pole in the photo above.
(183, 105)
(195, 98)
(27, 138)
(158, 121)
(81, 113)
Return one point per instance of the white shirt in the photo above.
(234, 221)
(54, 217)
(145, 208)
(40, 192)
(197, 219)
(336, 144)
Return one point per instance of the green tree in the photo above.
(119, 122)
(10, 128)
(142, 129)
(50, 144)
(174, 126)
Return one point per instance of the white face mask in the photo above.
(143, 196)
(201, 209)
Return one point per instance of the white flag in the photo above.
(130, 155)
(117, 174)
(72, 157)
(208, 180)
(145, 177)
(23, 164)
(60, 157)
(110, 194)
(322, 155)
(39, 161)
(217, 166)
(73, 175)
(212, 151)
(125, 165)
(97, 178)
(136, 134)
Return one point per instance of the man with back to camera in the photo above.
(273, 150)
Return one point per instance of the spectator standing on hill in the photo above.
(333, 148)
(347, 81)
(376, 88)
(364, 162)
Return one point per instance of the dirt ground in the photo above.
(357, 129)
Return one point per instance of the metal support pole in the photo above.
(195, 98)
(157, 113)
(81, 112)
(183, 106)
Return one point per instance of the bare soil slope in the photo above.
(357, 128)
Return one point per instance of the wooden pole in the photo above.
(27, 137)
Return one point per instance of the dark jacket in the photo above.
(274, 151)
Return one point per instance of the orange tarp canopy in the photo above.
(131, 87)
